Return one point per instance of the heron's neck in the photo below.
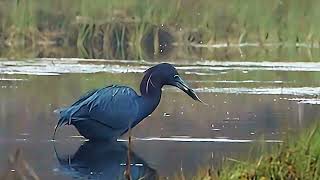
(150, 95)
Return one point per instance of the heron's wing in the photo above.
(84, 97)
(113, 106)
(64, 111)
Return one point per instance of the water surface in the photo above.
(247, 101)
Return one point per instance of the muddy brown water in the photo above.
(247, 101)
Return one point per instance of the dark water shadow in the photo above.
(103, 160)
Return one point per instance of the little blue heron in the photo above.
(107, 113)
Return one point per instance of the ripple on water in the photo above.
(12, 79)
(265, 91)
(190, 139)
(266, 65)
(57, 67)
(52, 66)
(305, 100)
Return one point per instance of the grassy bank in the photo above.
(147, 29)
(295, 158)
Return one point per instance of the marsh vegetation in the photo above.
(146, 29)
(254, 62)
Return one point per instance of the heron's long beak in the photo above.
(184, 87)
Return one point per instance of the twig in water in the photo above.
(19, 168)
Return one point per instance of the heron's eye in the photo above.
(176, 78)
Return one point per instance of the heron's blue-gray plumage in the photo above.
(112, 108)
(107, 113)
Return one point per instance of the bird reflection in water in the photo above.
(103, 160)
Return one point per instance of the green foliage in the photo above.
(295, 158)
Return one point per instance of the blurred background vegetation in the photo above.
(166, 30)
(159, 29)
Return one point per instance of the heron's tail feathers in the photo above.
(62, 120)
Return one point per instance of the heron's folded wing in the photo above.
(114, 106)
(84, 97)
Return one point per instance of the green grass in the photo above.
(295, 158)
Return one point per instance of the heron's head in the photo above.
(166, 74)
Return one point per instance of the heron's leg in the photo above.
(127, 172)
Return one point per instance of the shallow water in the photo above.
(247, 101)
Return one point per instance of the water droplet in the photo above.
(24, 134)
(166, 114)
(216, 129)
(274, 100)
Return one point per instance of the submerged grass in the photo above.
(18, 168)
(295, 158)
